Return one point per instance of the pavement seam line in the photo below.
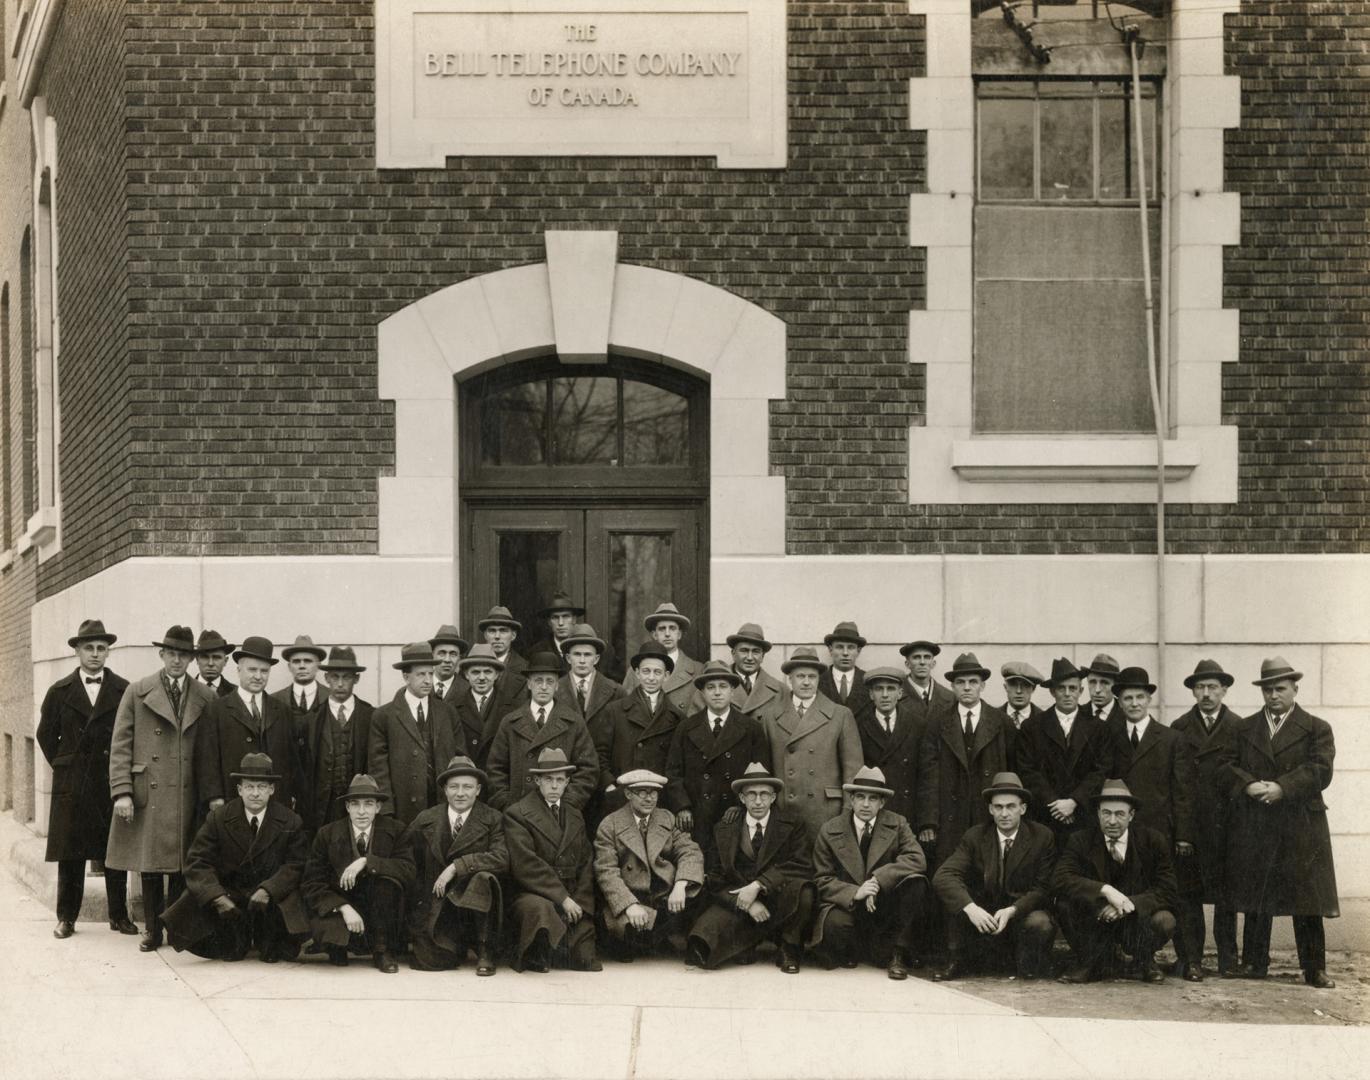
(634, 1042)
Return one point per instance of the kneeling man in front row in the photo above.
(648, 869)
(461, 855)
(1115, 886)
(356, 877)
(996, 886)
(759, 879)
(872, 889)
(242, 872)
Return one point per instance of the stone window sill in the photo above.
(1075, 460)
(41, 533)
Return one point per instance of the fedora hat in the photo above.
(757, 773)
(868, 779)
(1005, 783)
(341, 658)
(1116, 789)
(544, 663)
(1104, 665)
(926, 646)
(363, 787)
(804, 656)
(636, 778)
(481, 655)
(258, 648)
(180, 638)
(967, 664)
(1133, 678)
(92, 630)
(750, 632)
(561, 601)
(845, 631)
(255, 767)
(499, 616)
(717, 669)
(552, 759)
(652, 650)
(668, 612)
(885, 674)
(448, 635)
(213, 641)
(1275, 668)
(414, 654)
(1209, 669)
(1061, 670)
(304, 643)
(461, 765)
(583, 634)
(1021, 670)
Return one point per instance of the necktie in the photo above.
(1208, 722)
(542, 716)
(717, 723)
(842, 686)
(1113, 851)
(304, 702)
(865, 841)
(801, 708)
(423, 722)
(456, 826)
(342, 715)
(480, 703)
(361, 844)
(887, 722)
(174, 692)
(580, 694)
(209, 680)
(747, 684)
(757, 837)
(1003, 861)
(968, 732)
(1017, 718)
(252, 824)
(642, 829)
(256, 715)
(439, 691)
(556, 812)
(1135, 739)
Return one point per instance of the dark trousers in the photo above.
(380, 903)
(1025, 943)
(71, 890)
(157, 897)
(1309, 939)
(1189, 941)
(237, 935)
(859, 934)
(1093, 941)
(670, 928)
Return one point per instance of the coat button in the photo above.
(154, 783)
(157, 731)
(156, 758)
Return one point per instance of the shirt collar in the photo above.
(1141, 726)
(718, 716)
(452, 816)
(858, 824)
(764, 822)
(1010, 837)
(350, 704)
(245, 696)
(795, 702)
(248, 815)
(414, 702)
(309, 689)
(1121, 842)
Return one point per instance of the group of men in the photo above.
(508, 805)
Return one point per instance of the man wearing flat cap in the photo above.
(756, 687)
(1100, 675)
(1204, 733)
(152, 777)
(461, 857)
(585, 688)
(635, 732)
(550, 864)
(356, 877)
(242, 873)
(1063, 755)
(996, 888)
(541, 723)
(337, 740)
(75, 725)
(211, 654)
(758, 880)
(448, 648)
(647, 868)
(667, 626)
(1115, 887)
(478, 706)
(814, 741)
(413, 737)
(842, 681)
(871, 880)
(1020, 680)
(891, 729)
(929, 697)
(247, 721)
(1279, 855)
(709, 751)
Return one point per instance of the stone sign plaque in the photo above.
(542, 78)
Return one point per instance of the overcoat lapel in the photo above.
(1294, 728)
(1148, 741)
(953, 737)
(815, 717)
(886, 833)
(848, 851)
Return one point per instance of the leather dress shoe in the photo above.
(337, 955)
(849, 962)
(788, 962)
(954, 970)
(592, 964)
(151, 942)
(64, 929)
(485, 964)
(123, 925)
(1193, 973)
(1152, 974)
(541, 967)
(1319, 980)
(1078, 976)
(898, 969)
(1251, 971)
(385, 962)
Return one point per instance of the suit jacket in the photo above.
(1053, 768)
(602, 691)
(1279, 857)
(402, 763)
(815, 755)
(225, 859)
(479, 848)
(1160, 775)
(701, 768)
(896, 755)
(858, 697)
(1205, 872)
(1031, 711)
(478, 726)
(518, 742)
(629, 736)
(950, 779)
(839, 869)
(227, 732)
(319, 801)
(74, 737)
(390, 855)
(939, 699)
(971, 873)
(679, 686)
(784, 863)
(222, 687)
(630, 869)
(1146, 877)
(766, 688)
(549, 858)
(151, 759)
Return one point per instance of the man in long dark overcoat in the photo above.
(461, 856)
(891, 730)
(478, 705)
(74, 729)
(758, 878)
(1279, 856)
(635, 732)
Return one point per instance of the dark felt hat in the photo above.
(804, 656)
(1275, 668)
(845, 631)
(259, 648)
(448, 635)
(363, 787)
(213, 641)
(499, 616)
(1209, 669)
(1005, 783)
(305, 644)
(1061, 670)
(461, 765)
(583, 634)
(926, 646)
(1133, 678)
(562, 602)
(750, 632)
(414, 654)
(967, 664)
(92, 630)
(544, 663)
(481, 656)
(341, 658)
(180, 638)
(717, 669)
(1104, 665)
(652, 650)
(255, 767)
